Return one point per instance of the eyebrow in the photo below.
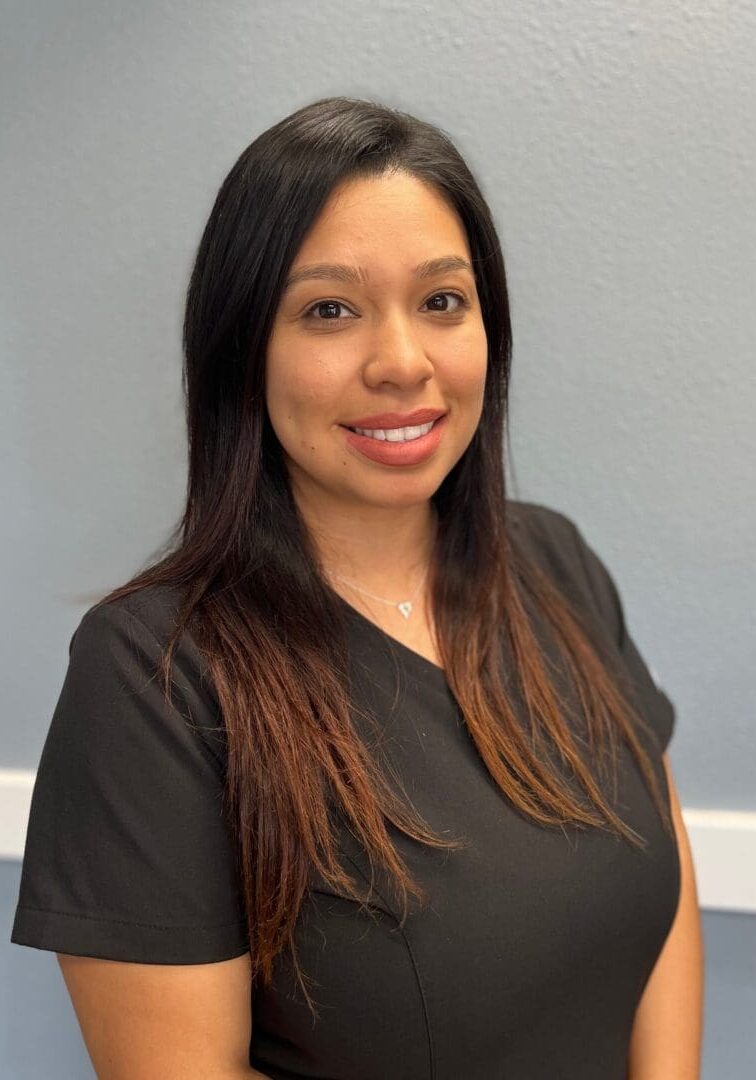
(357, 275)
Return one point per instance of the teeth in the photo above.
(404, 434)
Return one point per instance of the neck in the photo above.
(385, 550)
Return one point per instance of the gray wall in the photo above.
(615, 143)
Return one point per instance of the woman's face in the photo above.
(377, 338)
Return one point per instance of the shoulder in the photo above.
(549, 535)
(119, 646)
(146, 618)
(556, 542)
(537, 521)
(150, 611)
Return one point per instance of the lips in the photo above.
(382, 421)
(397, 454)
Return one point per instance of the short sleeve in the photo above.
(127, 854)
(654, 703)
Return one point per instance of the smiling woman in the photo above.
(367, 711)
(396, 344)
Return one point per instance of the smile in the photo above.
(404, 434)
(397, 447)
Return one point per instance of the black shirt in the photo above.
(533, 954)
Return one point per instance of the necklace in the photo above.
(404, 606)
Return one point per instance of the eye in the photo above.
(463, 302)
(323, 304)
(320, 305)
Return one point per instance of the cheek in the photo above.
(466, 368)
(305, 400)
(301, 384)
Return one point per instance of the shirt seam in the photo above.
(415, 969)
(128, 922)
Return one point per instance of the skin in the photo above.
(667, 1035)
(391, 343)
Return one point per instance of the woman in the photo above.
(364, 777)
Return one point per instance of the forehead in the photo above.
(382, 222)
(381, 200)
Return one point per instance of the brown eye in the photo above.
(327, 310)
(463, 303)
(319, 306)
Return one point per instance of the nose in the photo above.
(397, 354)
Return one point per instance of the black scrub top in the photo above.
(528, 963)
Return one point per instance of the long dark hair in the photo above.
(254, 591)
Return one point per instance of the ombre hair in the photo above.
(254, 594)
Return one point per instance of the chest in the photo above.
(533, 949)
(415, 632)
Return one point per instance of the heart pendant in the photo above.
(406, 608)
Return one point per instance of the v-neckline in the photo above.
(434, 672)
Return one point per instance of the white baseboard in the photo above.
(15, 800)
(723, 843)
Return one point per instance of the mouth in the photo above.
(397, 446)
(395, 434)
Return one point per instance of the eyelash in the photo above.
(307, 315)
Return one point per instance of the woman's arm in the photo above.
(163, 1021)
(668, 1027)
